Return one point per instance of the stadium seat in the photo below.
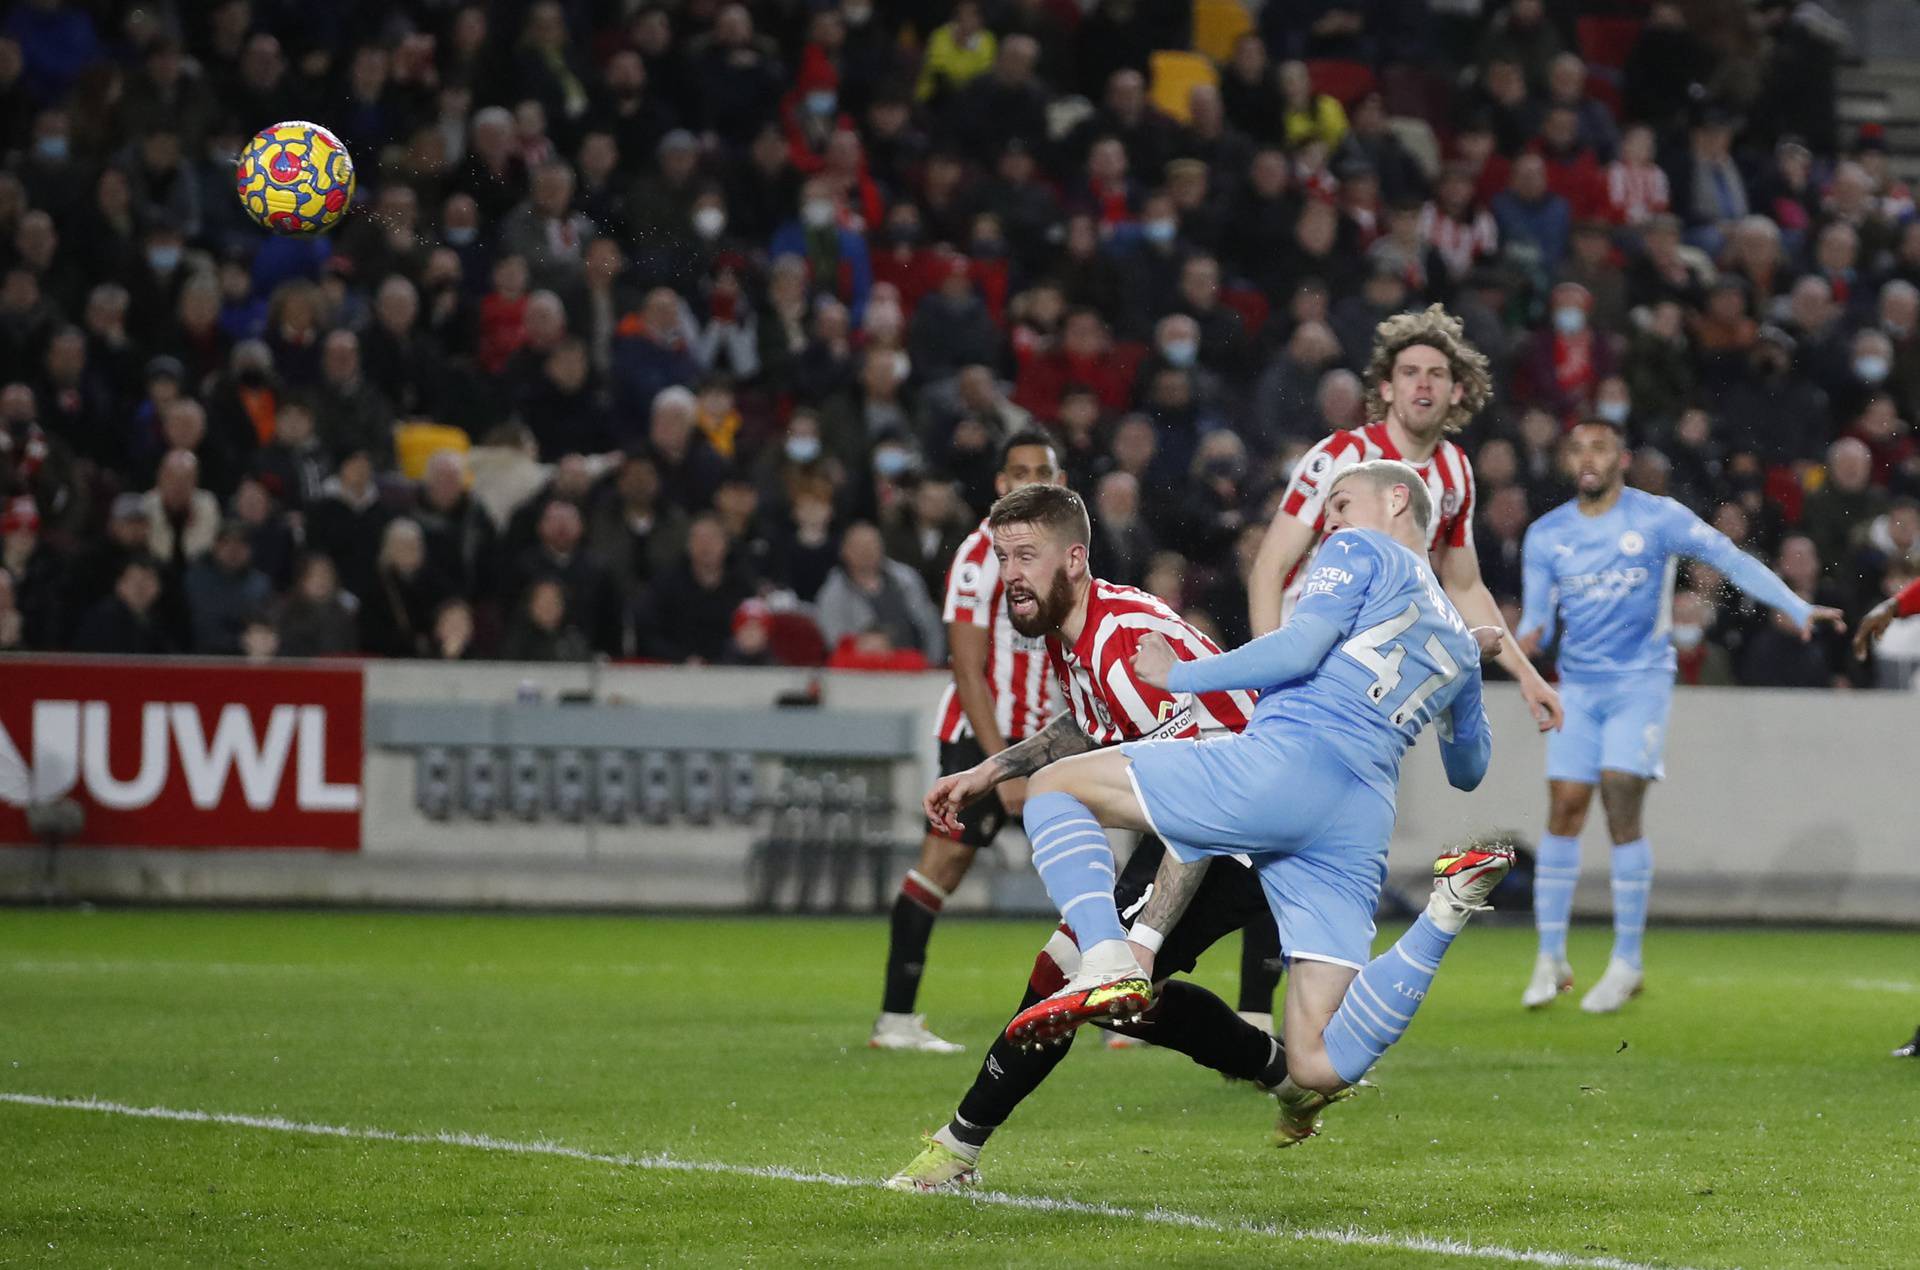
(1606, 41)
(795, 639)
(1175, 75)
(1251, 305)
(1345, 82)
(1217, 24)
(418, 440)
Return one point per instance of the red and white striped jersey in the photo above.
(1636, 192)
(1024, 697)
(1448, 474)
(1108, 703)
(1461, 244)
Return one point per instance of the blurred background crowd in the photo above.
(691, 331)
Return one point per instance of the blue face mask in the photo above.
(1570, 321)
(1612, 411)
(461, 235)
(803, 449)
(1159, 231)
(52, 149)
(163, 259)
(1180, 352)
(821, 103)
(1872, 369)
(891, 463)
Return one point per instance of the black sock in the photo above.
(1007, 1075)
(914, 910)
(1260, 966)
(1192, 1021)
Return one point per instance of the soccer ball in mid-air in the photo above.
(295, 178)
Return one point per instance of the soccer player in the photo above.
(1374, 652)
(1601, 570)
(1001, 693)
(1425, 381)
(1092, 628)
(1904, 604)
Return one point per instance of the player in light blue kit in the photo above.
(1374, 652)
(1601, 568)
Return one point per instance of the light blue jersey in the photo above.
(1373, 652)
(1606, 581)
(1389, 655)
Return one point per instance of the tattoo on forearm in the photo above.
(1060, 739)
(1173, 888)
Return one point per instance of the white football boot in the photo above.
(908, 1032)
(1619, 985)
(1551, 977)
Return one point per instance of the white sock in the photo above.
(1446, 915)
(1109, 957)
(965, 1150)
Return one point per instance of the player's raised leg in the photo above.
(1341, 1018)
(1067, 804)
(1623, 795)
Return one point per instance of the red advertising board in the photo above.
(184, 754)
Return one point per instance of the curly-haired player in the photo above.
(1425, 381)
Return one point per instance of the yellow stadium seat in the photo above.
(418, 440)
(1174, 76)
(1217, 24)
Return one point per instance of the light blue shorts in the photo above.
(1317, 833)
(1615, 725)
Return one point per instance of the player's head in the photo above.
(1382, 494)
(1596, 457)
(1029, 457)
(1040, 533)
(1426, 374)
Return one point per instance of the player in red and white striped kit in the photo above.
(1425, 381)
(1905, 603)
(1091, 629)
(1002, 692)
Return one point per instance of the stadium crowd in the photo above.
(724, 310)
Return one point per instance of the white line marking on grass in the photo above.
(1349, 1236)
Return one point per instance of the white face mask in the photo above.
(1687, 638)
(817, 213)
(708, 222)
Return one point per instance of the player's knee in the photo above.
(1623, 797)
(1310, 1068)
(945, 862)
(1567, 808)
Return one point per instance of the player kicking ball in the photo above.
(1375, 651)
(1601, 567)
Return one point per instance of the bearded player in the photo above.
(1091, 629)
(1374, 652)
(1002, 692)
(1425, 382)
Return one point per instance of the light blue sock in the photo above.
(1556, 871)
(1632, 879)
(1382, 998)
(1070, 850)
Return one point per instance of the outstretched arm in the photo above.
(1275, 658)
(1704, 542)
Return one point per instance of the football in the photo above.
(295, 178)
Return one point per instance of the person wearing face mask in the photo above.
(1564, 364)
(1151, 255)
(1699, 662)
(810, 114)
(836, 254)
(1869, 366)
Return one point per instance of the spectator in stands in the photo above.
(182, 518)
(957, 52)
(876, 605)
(396, 617)
(1533, 220)
(542, 630)
(13, 637)
(1702, 662)
(1306, 115)
(924, 532)
(951, 327)
(1837, 516)
(225, 592)
(128, 620)
(688, 615)
(1503, 524)
(1776, 655)
(593, 601)
(651, 353)
(804, 544)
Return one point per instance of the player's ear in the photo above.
(1077, 560)
(1399, 499)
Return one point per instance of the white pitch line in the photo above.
(1350, 1236)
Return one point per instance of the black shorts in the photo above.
(1229, 899)
(983, 821)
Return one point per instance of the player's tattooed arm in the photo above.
(1173, 889)
(1060, 739)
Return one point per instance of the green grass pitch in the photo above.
(1744, 1112)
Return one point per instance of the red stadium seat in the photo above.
(1346, 82)
(795, 640)
(1607, 41)
(1250, 305)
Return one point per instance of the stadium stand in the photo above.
(657, 302)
